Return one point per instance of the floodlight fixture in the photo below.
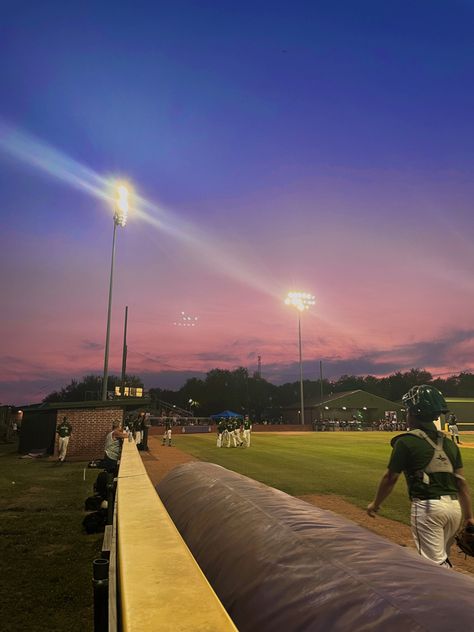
(122, 204)
(300, 300)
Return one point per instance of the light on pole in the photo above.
(301, 301)
(120, 219)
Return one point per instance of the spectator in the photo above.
(113, 447)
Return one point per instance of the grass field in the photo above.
(348, 464)
(46, 560)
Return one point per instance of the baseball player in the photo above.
(64, 431)
(246, 430)
(230, 427)
(167, 432)
(453, 428)
(238, 436)
(221, 430)
(432, 465)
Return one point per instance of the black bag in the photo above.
(100, 485)
(92, 503)
(95, 463)
(95, 522)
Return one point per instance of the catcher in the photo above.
(432, 464)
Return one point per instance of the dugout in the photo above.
(37, 432)
(91, 421)
(345, 406)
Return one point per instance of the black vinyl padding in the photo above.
(280, 564)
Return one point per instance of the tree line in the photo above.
(241, 392)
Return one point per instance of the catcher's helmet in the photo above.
(425, 402)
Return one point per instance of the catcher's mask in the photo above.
(425, 402)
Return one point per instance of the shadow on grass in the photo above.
(46, 558)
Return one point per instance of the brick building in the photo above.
(91, 422)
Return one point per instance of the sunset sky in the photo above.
(273, 146)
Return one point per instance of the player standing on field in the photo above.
(238, 436)
(247, 428)
(64, 431)
(167, 432)
(231, 426)
(453, 428)
(432, 464)
(221, 429)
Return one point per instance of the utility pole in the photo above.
(301, 371)
(321, 389)
(124, 354)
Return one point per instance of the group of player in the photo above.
(135, 427)
(233, 432)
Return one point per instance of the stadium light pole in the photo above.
(120, 219)
(301, 301)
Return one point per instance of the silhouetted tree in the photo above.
(89, 388)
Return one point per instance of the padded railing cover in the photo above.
(280, 564)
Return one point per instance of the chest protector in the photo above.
(440, 461)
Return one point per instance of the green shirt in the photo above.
(64, 430)
(412, 454)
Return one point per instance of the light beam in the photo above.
(31, 151)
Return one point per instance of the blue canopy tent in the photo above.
(227, 414)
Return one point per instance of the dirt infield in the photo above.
(159, 460)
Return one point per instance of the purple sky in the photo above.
(316, 146)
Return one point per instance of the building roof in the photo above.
(126, 402)
(350, 399)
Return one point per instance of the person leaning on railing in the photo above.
(113, 447)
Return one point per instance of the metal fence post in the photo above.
(100, 583)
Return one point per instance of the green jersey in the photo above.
(413, 456)
(247, 424)
(64, 429)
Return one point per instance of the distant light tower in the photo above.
(301, 301)
(192, 404)
(120, 219)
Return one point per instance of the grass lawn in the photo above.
(348, 464)
(46, 560)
